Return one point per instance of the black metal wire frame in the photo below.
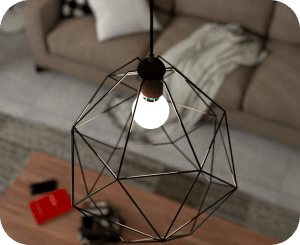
(198, 167)
(84, 113)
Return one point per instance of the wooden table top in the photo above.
(18, 222)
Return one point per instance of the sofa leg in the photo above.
(39, 69)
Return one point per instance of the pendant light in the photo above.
(209, 165)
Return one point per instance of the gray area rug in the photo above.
(19, 139)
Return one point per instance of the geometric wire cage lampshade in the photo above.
(195, 148)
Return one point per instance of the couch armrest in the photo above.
(40, 18)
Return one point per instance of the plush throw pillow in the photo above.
(75, 8)
(116, 18)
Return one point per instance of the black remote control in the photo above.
(46, 186)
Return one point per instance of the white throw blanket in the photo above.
(206, 57)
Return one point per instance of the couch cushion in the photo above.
(180, 28)
(273, 92)
(163, 17)
(232, 89)
(285, 25)
(252, 14)
(76, 39)
(165, 5)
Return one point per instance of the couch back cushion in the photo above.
(163, 9)
(165, 5)
(285, 25)
(253, 15)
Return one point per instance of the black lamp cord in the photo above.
(151, 68)
(151, 56)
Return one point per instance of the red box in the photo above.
(50, 206)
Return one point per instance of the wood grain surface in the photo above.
(19, 223)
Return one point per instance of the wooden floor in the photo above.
(19, 223)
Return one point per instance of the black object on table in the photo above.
(42, 187)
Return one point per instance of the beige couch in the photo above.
(263, 99)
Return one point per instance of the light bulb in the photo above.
(151, 115)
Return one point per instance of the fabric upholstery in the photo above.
(285, 25)
(231, 92)
(76, 39)
(268, 128)
(36, 13)
(180, 28)
(273, 92)
(234, 84)
(251, 14)
(163, 17)
(165, 5)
